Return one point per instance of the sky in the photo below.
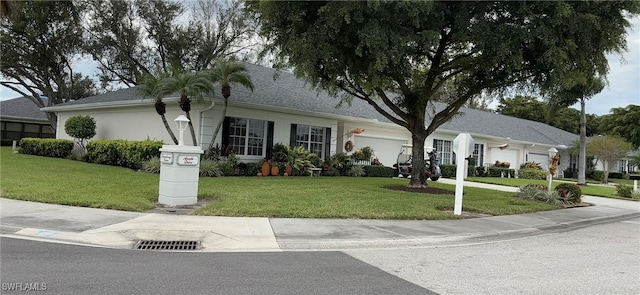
(623, 88)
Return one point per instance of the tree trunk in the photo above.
(166, 125)
(605, 173)
(193, 132)
(418, 166)
(215, 132)
(582, 163)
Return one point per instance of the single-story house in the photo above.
(285, 109)
(20, 118)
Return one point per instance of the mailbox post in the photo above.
(179, 171)
(462, 145)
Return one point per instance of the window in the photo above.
(623, 166)
(311, 138)
(478, 154)
(443, 150)
(245, 136)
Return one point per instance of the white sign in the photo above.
(463, 147)
(166, 158)
(188, 160)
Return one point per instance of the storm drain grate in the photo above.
(167, 245)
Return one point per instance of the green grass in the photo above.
(590, 189)
(76, 183)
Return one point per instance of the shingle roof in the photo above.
(21, 107)
(287, 91)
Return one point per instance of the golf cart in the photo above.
(402, 167)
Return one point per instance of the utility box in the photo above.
(179, 175)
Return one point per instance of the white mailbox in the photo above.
(463, 147)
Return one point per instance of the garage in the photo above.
(506, 155)
(385, 149)
(542, 159)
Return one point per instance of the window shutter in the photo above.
(327, 143)
(225, 135)
(270, 127)
(293, 135)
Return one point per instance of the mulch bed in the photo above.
(424, 190)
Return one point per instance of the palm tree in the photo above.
(580, 91)
(149, 88)
(188, 85)
(227, 72)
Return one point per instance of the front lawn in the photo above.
(76, 183)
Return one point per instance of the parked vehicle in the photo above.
(402, 167)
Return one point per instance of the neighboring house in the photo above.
(286, 110)
(21, 118)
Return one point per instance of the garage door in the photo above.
(510, 156)
(541, 159)
(386, 150)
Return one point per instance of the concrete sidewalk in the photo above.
(119, 229)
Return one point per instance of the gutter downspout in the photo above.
(202, 121)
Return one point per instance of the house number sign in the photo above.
(190, 160)
(166, 158)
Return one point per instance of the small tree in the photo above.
(608, 149)
(81, 128)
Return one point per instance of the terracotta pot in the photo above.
(259, 174)
(265, 168)
(288, 169)
(275, 171)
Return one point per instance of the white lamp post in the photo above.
(181, 123)
(552, 153)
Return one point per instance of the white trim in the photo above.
(382, 137)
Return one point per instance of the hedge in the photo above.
(448, 170)
(501, 172)
(377, 171)
(130, 154)
(529, 173)
(48, 147)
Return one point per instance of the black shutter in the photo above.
(270, 127)
(225, 135)
(327, 143)
(293, 135)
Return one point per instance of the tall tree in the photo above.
(523, 107)
(130, 38)
(39, 41)
(623, 122)
(397, 55)
(608, 149)
(150, 87)
(227, 72)
(188, 85)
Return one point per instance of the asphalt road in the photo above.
(600, 259)
(69, 269)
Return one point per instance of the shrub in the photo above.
(597, 175)
(624, 190)
(210, 168)
(253, 168)
(570, 191)
(448, 170)
(501, 172)
(539, 193)
(378, 171)
(568, 173)
(528, 173)
(340, 162)
(48, 147)
(363, 154)
(482, 171)
(130, 154)
(635, 195)
(616, 175)
(151, 166)
(356, 171)
(82, 128)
